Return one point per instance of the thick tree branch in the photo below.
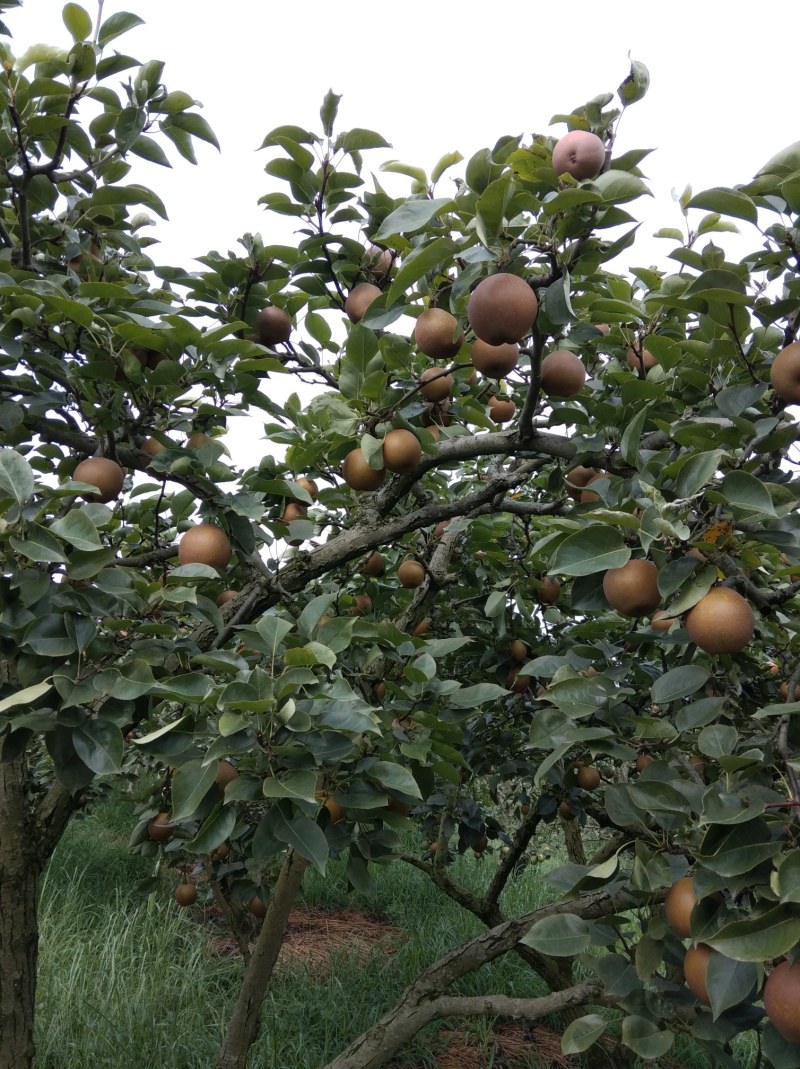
(401, 1023)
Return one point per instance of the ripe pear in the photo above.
(437, 334)
(186, 894)
(679, 902)
(580, 154)
(379, 261)
(309, 486)
(588, 778)
(402, 451)
(373, 566)
(103, 473)
(363, 605)
(273, 325)
(782, 1000)
(695, 969)
(563, 374)
(411, 573)
(359, 299)
(785, 373)
(502, 309)
(357, 473)
(632, 589)
(549, 590)
(205, 544)
(494, 361)
(160, 829)
(435, 385)
(292, 511)
(501, 409)
(518, 650)
(226, 596)
(576, 479)
(721, 622)
(641, 359)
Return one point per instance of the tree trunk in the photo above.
(20, 869)
(243, 1025)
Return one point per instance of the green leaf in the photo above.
(214, 830)
(726, 202)
(789, 878)
(629, 443)
(729, 982)
(78, 21)
(299, 784)
(117, 24)
(357, 139)
(313, 612)
(419, 262)
(747, 493)
(273, 629)
(561, 936)
(770, 935)
(99, 745)
(16, 476)
(596, 548)
(159, 733)
(617, 187)
(444, 163)
(411, 216)
(394, 778)
(304, 836)
(150, 150)
(635, 86)
(328, 111)
(27, 696)
(196, 125)
(581, 1034)
(471, 697)
(678, 683)
(38, 545)
(190, 784)
(717, 740)
(696, 472)
(645, 1038)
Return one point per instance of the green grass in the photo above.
(127, 982)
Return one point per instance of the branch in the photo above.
(409, 1013)
(376, 1046)
(525, 427)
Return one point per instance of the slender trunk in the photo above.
(20, 869)
(573, 840)
(243, 1025)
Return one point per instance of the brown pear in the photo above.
(502, 309)
(563, 374)
(782, 999)
(435, 385)
(695, 969)
(273, 325)
(357, 473)
(103, 473)
(633, 589)
(494, 361)
(785, 373)
(721, 622)
(679, 902)
(501, 409)
(359, 299)
(402, 451)
(438, 334)
(411, 573)
(205, 544)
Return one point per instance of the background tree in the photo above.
(644, 467)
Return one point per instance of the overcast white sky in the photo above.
(435, 76)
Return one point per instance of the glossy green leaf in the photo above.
(190, 784)
(726, 202)
(594, 549)
(411, 216)
(117, 24)
(581, 1034)
(562, 935)
(678, 682)
(775, 932)
(78, 21)
(99, 745)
